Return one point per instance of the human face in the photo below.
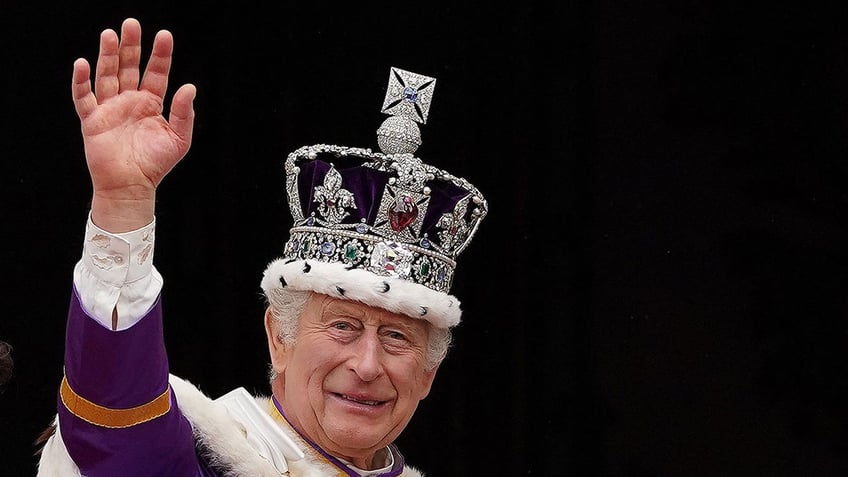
(354, 376)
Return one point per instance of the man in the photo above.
(358, 316)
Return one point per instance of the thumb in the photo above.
(181, 117)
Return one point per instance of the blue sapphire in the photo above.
(327, 248)
(362, 228)
(410, 94)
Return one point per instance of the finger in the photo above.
(155, 77)
(84, 99)
(181, 117)
(129, 55)
(106, 74)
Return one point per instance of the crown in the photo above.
(385, 217)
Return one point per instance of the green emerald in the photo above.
(351, 252)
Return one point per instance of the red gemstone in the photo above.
(402, 213)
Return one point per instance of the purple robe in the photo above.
(121, 370)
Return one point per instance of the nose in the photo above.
(367, 359)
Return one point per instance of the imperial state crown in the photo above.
(384, 228)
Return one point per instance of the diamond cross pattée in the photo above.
(408, 95)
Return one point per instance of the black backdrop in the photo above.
(657, 291)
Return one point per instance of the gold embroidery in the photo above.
(113, 418)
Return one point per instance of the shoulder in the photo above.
(222, 440)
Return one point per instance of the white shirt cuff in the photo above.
(116, 272)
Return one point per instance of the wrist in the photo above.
(118, 215)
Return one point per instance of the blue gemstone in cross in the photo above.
(410, 94)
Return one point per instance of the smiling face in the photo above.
(353, 378)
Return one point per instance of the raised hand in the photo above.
(129, 145)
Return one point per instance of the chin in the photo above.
(359, 438)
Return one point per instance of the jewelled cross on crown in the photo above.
(407, 101)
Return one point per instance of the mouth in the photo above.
(359, 400)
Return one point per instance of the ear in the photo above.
(427, 382)
(276, 347)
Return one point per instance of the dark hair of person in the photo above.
(7, 365)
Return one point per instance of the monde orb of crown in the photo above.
(398, 135)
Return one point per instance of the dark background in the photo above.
(659, 289)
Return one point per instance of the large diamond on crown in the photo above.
(391, 259)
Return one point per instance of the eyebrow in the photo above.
(407, 327)
(341, 308)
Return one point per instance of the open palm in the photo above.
(129, 145)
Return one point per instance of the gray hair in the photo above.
(287, 305)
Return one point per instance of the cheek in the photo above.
(410, 380)
(315, 364)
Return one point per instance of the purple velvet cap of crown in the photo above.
(367, 185)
